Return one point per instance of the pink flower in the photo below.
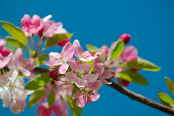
(128, 53)
(83, 56)
(4, 61)
(17, 106)
(3, 50)
(61, 59)
(59, 110)
(101, 70)
(24, 66)
(31, 26)
(89, 94)
(125, 37)
(80, 75)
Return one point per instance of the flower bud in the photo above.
(125, 37)
(123, 82)
(62, 43)
(53, 74)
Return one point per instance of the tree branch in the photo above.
(130, 94)
(140, 98)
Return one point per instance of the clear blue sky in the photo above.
(150, 23)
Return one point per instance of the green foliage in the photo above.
(117, 50)
(35, 97)
(15, 32)
(38, 82)
(56, 39)
(14, 42)
(92, 48)
(76, 111)
(41, 59)
(170, 85)
(166, 99)
(51, 98)
(133, 77)
(141, 64)
(32, 52)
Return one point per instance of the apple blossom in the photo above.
(61, 59)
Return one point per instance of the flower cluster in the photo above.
(72, 78)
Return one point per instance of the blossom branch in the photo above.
(130, 94)
(140, 98)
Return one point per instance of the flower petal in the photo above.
(80, 82)
(24, 71)
(77, 94)
(6, 96)
(85, 67)
(81, 101)
(68, 51)
(63, 68)
(91, 77)
(29, 63)
(95, 96)
(70, 76)
(5, 61)
(95, 85)
(13, 73)
(78, 49)
(43, 110)
(3, 81)
(18, 56)
(74, 64)
(52, 63)
(20, 83)
(17, 106)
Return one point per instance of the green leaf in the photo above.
(92, 48)
(75, 110)
(56, 39)
(35, 97)
(141, 64)
(15, 32)
(38, 82)
(32, 52)
(14, 42)
(51, 98)
(170, 85)
(117, 50)
(166, 99)
(133, 77)
(41, 59)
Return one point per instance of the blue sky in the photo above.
(150, 24)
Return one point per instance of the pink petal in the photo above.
(2, 43)
(91, 77)
(77, 94)
(13, 73)
(18, 56)
(26, 20)
(98, 66)
(6, 96)
(60, 109)
(95, 96)
(63, 43)
(43, 110)
(74, 64)
(31, 76)
(63, 68)
(68, 51)
(78, 49)
(70, 76)
(54, 56)
(20, 83)
(5, 62)
(86, 56)
(81, 101)
(29, 63)
(52, 63)
(35, 20)
(19, 93)
(95, 85)
(24, 71)
(85, 67)
(17, 106)
(80, 82)
(3, 81)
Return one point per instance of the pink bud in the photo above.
(125, 37)
(123, 82)
(53, 74)
(62, 43)
(43, 110)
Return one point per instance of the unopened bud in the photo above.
(53, 74)
(125, 37)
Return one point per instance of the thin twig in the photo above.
(130, 94)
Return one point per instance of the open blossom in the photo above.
(59, 110)
(3, 50)
(89, 94)
(31, 25)
(83, 56)
(80, 75)
(50, 28)
(61, 59)
(24, 66)
(12, 92)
